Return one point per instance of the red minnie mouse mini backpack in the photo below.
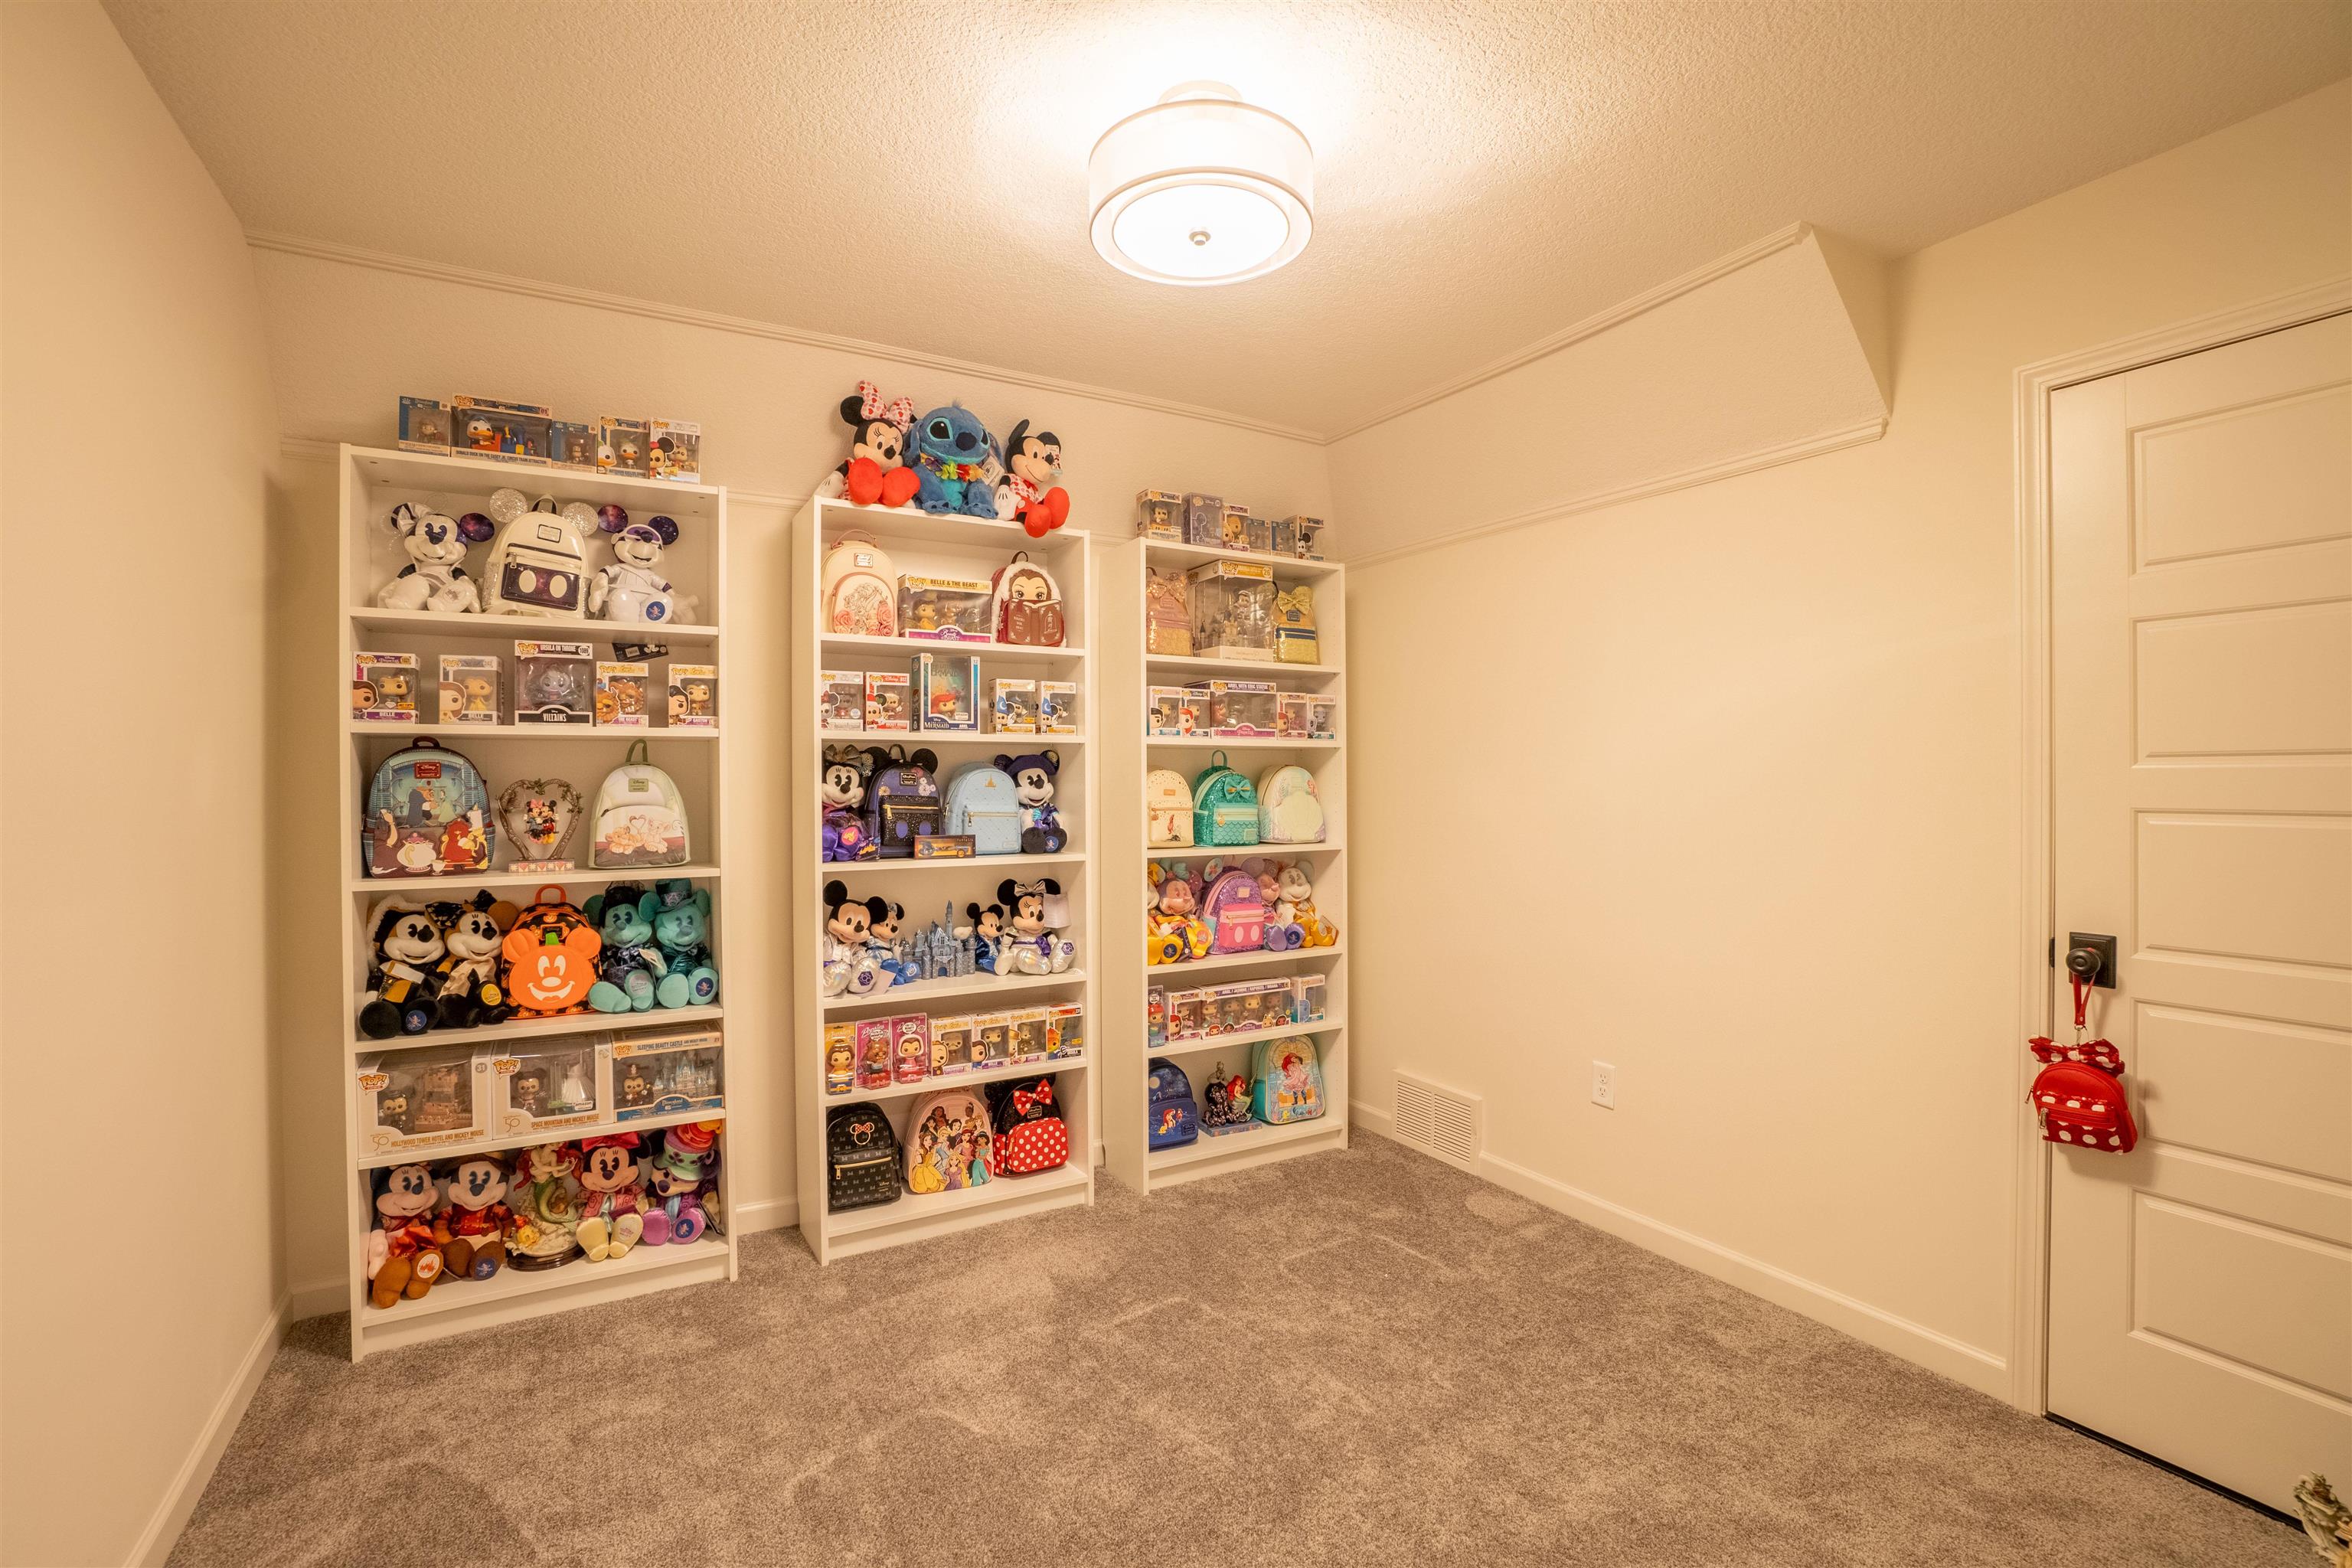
(1030, 1134)
(2080, 1097)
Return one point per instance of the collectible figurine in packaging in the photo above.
(945, 685)
(418, 1099)
(1304, 531)
(571, 444)
(621, 695)
(1307, 994)
(840, 1057)
(1159, 516)
(911, 1047)
(678, 1071)
(621, 445)
(994, 1047)
(469, 688)
(1240, 708)
(1290, 715)
(946, 609)
(424, 424)
(1205, 517)
(548, 1086)
(1234, 527)
(1184, 1015)
(874, 1054)
(1057, 707)
(673, 450)
(694, 697)
(1026, 1039)
(890, 698)
(1225, 1106)
(1294, 626)
(841, 700)
(1323, 717)
(555, 683)
(1233, 609)
(383, 687)
(1172, 711)
(951, 1038)
(1167, 613)
(539, 815)
(1015, 706)
(509, 432)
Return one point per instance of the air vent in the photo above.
(1442, 1123)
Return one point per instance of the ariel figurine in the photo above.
(544, 1211)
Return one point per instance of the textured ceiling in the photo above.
(914, 173)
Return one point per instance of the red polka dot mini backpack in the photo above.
(1030, 1134)
(2080, 1097)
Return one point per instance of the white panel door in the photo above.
(2200, 1288)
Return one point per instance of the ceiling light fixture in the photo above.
(1202, 189)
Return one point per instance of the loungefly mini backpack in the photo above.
(902, 801)
(861, 1157)
(951, 1143)
(640, 816)
(1289, 811)
(859, 589)
(1167, 810)
(1030, 1134)
(1172, 1116)
(1286, 1080)
(428, 815)
(983, 801)
(1224, 807)
(539, 565)
(1027, 608)
(549, 957)
(1236, 911)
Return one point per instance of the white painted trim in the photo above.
(297, 448)
(318, 1299)
(1616, 315)
(179, 1499)
(745, 326)
(764, 1214)
(1854, 434)
(2028, 1384)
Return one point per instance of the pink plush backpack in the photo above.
(1235, 913)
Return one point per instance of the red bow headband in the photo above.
(616, 1140)
(1025, 1101)
(899, 411)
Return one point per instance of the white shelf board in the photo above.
(1237, 744)
(528, 731)
(909, 998)
(1244, 959)
(453, 1295)
(998, 653)
(1228, 1145)
(1280, 674)
(535, 1028)
(915, 1208)
(1193, 1044)
(1287, 568)
(577, 877)
(848, 868)
(370, 1161)
(464, 470)
(995, 740)
(959, 1080)
(536, 628)
(913, 525)
(1245, 851)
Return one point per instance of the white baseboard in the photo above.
(179, 1500)
(1916, 1342)
(765, 1214)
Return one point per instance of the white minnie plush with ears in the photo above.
(435, 577)
(632, 588)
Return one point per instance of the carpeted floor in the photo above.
(1355, 1358)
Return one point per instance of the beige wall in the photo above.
(347, 339)
(1775, 720)
(144, 1244)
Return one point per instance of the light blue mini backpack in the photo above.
(981, 801)
(1224, 805)
(1286, 1080)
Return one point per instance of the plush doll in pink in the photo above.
(612, 1196)
(877, 473)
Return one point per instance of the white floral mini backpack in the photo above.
(859, 589)
(1167, 809)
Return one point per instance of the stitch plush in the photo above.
(435, 577)
(849, 965)
(612, 1194)
(681, 914)
(472, 1225)
(402, 1258)
(630, 968)
(632, 588)
(952, 454)
(1033, 788)
(876, 472)
(409, 952)
(1032, 461)
(841, 792)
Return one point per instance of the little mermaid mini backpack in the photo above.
(1289, 811)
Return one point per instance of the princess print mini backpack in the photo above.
(640, 816)
(1167, 810)
(1173, 1116)
(982, 802)
(1289, 811)
(1286, 1080)
(1224, 805)
(950, 1144)
(859, 589)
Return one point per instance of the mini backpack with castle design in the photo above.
(1289, 810)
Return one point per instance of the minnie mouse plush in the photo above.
(876, 473)
(1031, 463)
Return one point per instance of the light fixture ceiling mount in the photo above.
(1201, 189)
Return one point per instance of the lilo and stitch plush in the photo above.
(952, 453)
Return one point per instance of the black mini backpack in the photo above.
(862, 1157)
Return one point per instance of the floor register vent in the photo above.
(1442, 1123)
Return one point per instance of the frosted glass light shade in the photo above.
(1202, 189)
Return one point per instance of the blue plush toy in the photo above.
(952, 450)
(630, 968)
(680, 915)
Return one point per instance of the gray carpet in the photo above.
(1354, 1358)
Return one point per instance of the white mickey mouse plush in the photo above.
(435, 577)
(632, 588)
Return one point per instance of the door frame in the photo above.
(2029, 1363)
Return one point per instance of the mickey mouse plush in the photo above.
(402, 1256)
(876, 473)
(435, 577)
(849, 963)
(1033, 788)
(632, 588)
(408, 952)
(1032, 461)
(881, 938)
(467, 981)
(472, 1225)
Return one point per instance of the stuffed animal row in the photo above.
(1255, 906)
(539, 1208)
(629, 588)
(947, 461)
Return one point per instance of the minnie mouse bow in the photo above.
(1035, 890)
(899, 411)
(1027, 1101)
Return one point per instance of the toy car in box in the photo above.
(422, 1099)
(546, 1087)
(668, 1073)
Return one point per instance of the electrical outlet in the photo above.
(1604, 1085)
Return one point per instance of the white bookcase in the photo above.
(373, 481)
(1127, 753)
(920, 544)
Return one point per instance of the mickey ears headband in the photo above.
(616, 519)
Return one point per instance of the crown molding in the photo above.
(744, 326)
(1616, 315)
(1854, 434)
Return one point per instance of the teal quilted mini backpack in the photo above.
(1224, 807)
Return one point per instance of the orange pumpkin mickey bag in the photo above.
(550, 957)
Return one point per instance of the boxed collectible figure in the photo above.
(1304, 531)
(1066, 1031)
(840, 1057)
(1306, 995)
(1294, 626)
(694, 696)
(491, 428)
(911, 1047)
(1234, 526)
(424, 424)
(993, 1048)
(422, 1099)
(621, 695)
(383, 687)
(542, 1088)
(952, 1044)
(1057, 707)
(888, 697)
(1174, 711)
(1184, 1014)
(1026, 1041)
(1160, 515)
(673, 450)
(621, 445)
(946, 687)
(1233, 609)
(1238, 708)
(874, 1053)
(469, 688)
(1290, 715)
(946, 609)
(1155, 1017)
(946, 847)
(571, 444)
(1204, 516)
(841, 700)
(1322, 717)
(661, 1074)
(1166, 612)
(555, 683)
(1014, 704)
